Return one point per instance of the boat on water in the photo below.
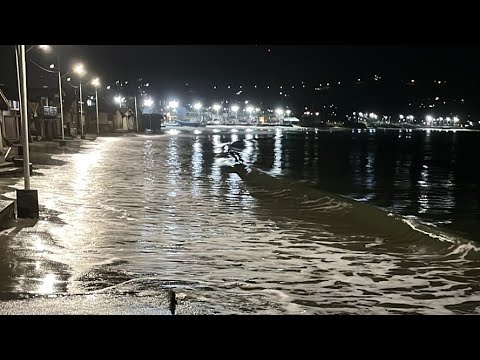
(190, 118)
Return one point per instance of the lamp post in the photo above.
(62, 143)
(235, 110)
(96, 83)
(249, 110)
(27, 199)
(173, 105)
(136, 112)
(148, 103)
(198, 106)
(80, 71)
(23, 91)
(217, 108)
(119, 100)
(279, 112)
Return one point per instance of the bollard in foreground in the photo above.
(27, 204)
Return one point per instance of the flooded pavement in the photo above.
(125, 220)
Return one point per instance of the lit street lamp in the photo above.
(235, 110)
(148, 103)
(80, 71)
(217, 108)
(173, 104)
(27, 199)
(119, 100)
(279, 112)
(96, 83)
(198, 106)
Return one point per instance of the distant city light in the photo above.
(173, 104)
(197, 106)
(249, 109)
(288, 112)
(148, 102)
(235, 108)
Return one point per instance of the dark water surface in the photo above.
(317, 222)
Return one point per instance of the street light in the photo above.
(235, 110)
(288, 112)
(96, 83)
(79, 69)
(173, 104)
(279, 112)
(198, 106)
(217, 108)
(148, 103)
(27, 199)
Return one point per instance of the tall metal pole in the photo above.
(26, 152)
(96, 103)
(61, 96)
(20, 101)
(136, 112)
(81, 106)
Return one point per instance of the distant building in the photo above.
(10, 121)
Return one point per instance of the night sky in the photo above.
(223, 63)
(167, 68)
(205, 64)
